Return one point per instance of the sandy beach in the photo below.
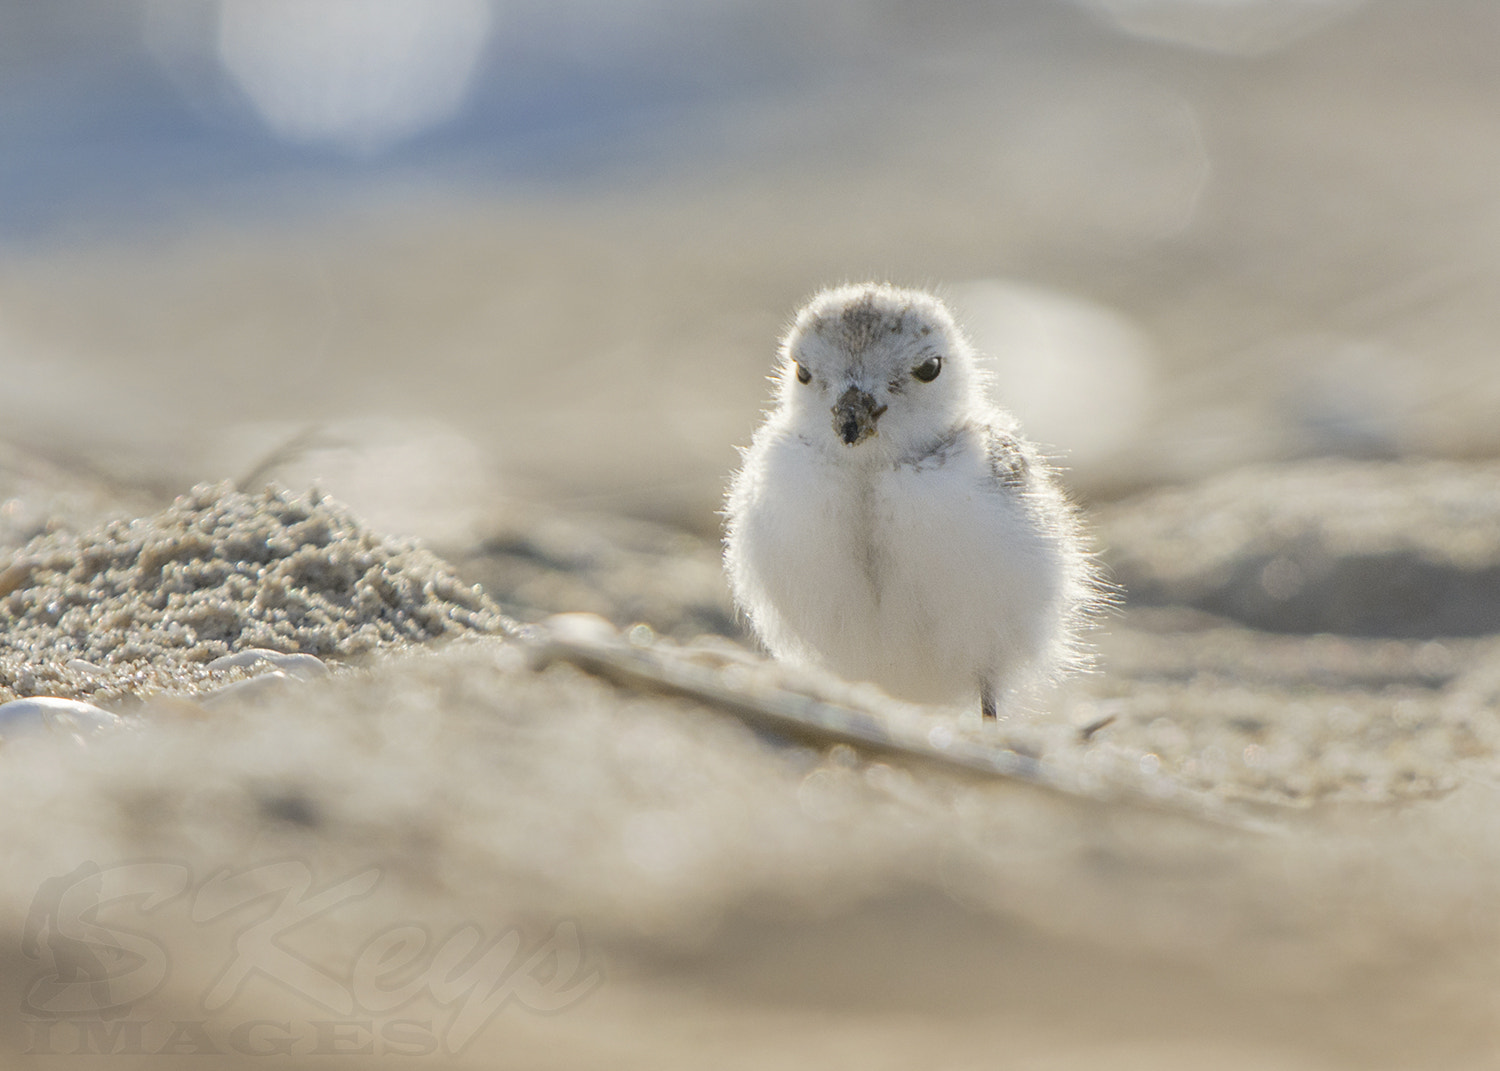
(534, 799)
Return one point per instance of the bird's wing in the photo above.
(1007, 456)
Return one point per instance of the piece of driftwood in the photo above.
(806, 720)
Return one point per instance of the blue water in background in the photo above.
(96, 136)
(99, 136)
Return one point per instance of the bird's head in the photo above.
(875, 369)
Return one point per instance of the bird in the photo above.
(890, 523)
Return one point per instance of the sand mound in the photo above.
(1408, 549)
(132, 608)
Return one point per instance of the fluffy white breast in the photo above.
(921, 577)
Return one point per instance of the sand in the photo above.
(132, 609)
(1279, 849)
(1407, 549)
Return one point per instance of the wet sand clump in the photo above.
(143, 606)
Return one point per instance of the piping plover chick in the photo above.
(890, 524)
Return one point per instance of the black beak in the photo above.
(855, 415)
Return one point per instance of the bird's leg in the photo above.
(986, 699)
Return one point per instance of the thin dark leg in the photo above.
(986, 699)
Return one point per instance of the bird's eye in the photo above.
(928, 370)
(803, 375)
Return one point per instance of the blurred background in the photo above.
(439, 254)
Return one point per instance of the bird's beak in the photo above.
(855, 415)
